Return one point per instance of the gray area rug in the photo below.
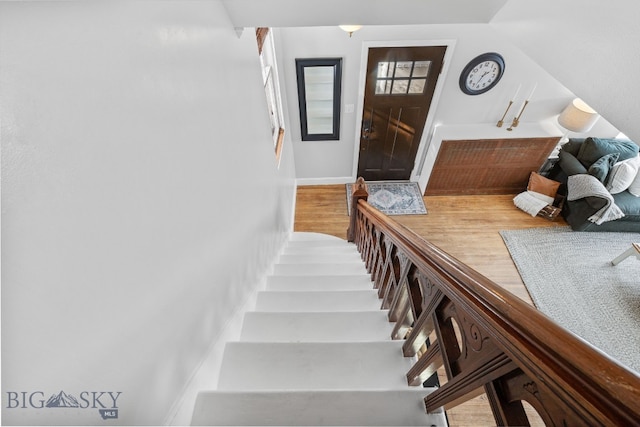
(570, 278)
(393, 197)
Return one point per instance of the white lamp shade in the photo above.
(578, 116)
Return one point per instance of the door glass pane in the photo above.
(421, 68)
(400, 86)
(383, 87)
(403, 69)
(417, 86)
(385, 69)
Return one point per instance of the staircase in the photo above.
(316, 350)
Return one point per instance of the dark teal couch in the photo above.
(575, 158)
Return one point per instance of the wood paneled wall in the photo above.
(487, 166)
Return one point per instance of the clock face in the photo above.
(481, 74)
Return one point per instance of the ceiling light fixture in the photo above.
(350, 28)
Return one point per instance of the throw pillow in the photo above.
(594, 148)
(601, 167)
(569, 164)
(634, 188)
(542, 185)
(573, 145)
(622, 175)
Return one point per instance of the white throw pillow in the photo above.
(634, 188)
(622, 175)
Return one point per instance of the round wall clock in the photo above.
(482, 73)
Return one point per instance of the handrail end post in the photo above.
(359, 191)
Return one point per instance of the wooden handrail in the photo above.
(485, 337)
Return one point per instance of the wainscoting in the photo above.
(487, 166)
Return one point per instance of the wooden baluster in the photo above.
(423, 326)
(426, 365)
(403, 324)
(505, 412)
(378, 275)
(401, 293)
(391, 279)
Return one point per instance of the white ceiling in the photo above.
(306, 13)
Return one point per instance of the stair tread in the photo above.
(350, 326)
(328, 365)
(330, 407)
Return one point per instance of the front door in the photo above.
(398, 91)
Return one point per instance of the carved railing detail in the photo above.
(486, 339)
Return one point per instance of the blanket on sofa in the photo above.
(584, 185)
(531, 203)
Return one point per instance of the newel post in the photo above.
(358, 191)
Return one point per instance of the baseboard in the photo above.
(293, 207)
(325, 181)
(205, 376)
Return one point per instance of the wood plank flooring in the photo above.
(466, 227)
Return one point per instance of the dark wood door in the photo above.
(398, 92)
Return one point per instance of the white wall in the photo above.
(331, 161)
(141, 201)
(590, 46)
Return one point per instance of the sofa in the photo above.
(600, 180)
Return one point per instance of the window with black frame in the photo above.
(319, 91)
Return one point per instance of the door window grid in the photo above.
(402, 77)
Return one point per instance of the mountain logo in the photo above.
(62, 400)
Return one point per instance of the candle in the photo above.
(532, 90)
(513, 98)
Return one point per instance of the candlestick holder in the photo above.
(501, 121)
(516, 120)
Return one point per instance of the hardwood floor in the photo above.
(466, 227)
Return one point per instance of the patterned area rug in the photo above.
(393, 197)
(570, 278)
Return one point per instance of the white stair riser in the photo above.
(319, 259)
(361, 326)
(319, 283)
(319, 269)
(330, 301)
(335, 408)
(319, 243)
(319, 250)
(310, 236)
(319, 366)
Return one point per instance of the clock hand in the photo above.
(482, 77)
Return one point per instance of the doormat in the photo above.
(393, 197)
